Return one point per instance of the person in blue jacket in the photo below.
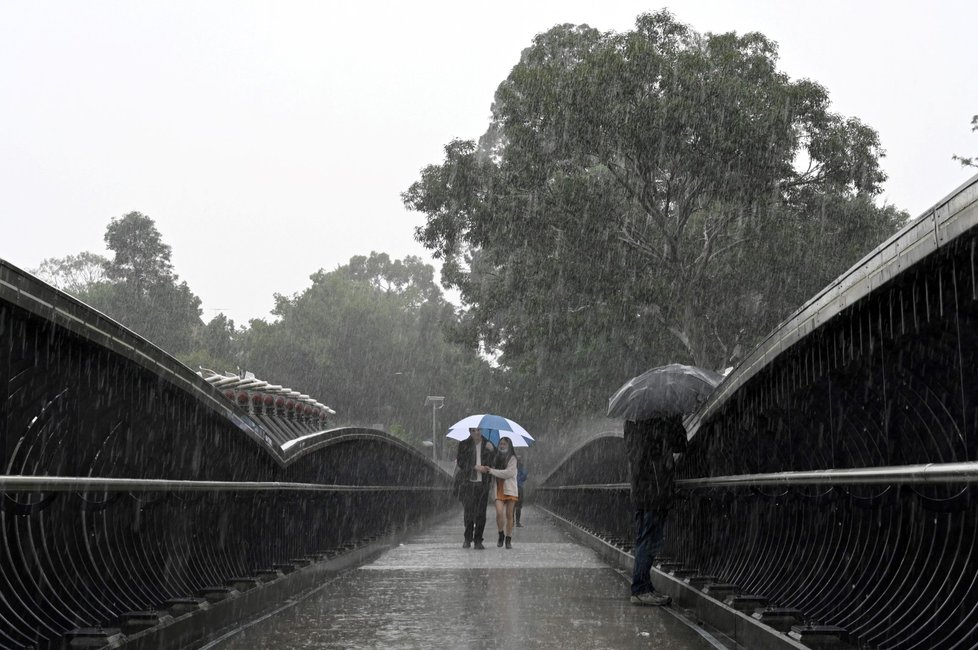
(520, 480)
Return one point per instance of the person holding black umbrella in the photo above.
(653, 404)
(650, 445)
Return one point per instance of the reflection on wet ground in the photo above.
(546, 592)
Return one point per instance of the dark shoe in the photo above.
(651, 599)
(500, 542)
(466, 544)
(509, 542)
(519, 525)
(479, 546)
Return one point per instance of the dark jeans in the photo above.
(475, 498)
(649, 533)
(519, 505)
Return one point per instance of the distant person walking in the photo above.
(474, 453)
(650, 445)
(506, 492)
(520, 480)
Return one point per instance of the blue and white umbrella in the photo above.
(492, 428)
(493, 436)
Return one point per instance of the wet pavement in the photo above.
(429, 592)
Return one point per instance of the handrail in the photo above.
(966, 472)
(102, 484)
(587, 486)
(933, 473)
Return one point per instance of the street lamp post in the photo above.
(436, 402)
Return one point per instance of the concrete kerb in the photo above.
(740, 629)
(210, 623)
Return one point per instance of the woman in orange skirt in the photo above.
(506, 491)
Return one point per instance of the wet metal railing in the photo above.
(930, 473)
(99, 485)
(130, 488)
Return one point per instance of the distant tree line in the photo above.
(638, 198)
(367, 338)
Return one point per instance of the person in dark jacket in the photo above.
(521, 475)
(650, 445)
(474, 485)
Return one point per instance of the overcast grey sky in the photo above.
(271, 139)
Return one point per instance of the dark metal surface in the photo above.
(831, 472)
(936, 473)
(102, 414)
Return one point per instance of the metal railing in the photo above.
(129, 484)
(90, 484)
(929, 473)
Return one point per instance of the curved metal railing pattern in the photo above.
(831, 473)
(128, 481)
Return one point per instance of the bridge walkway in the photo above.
(429, 592)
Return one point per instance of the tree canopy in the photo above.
(141, 259)
(368, 337)
(137, 286)
(73, 273)
(644, 197)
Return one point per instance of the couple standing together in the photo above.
(482, 469)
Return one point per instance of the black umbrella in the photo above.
(662, 392)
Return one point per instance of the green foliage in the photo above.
(973, 161)
(216, 346)
(168, 314)
(137, 286)
(639, 198)
(73, 273)
(413, 438)
(368, 339)
(141, 258)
